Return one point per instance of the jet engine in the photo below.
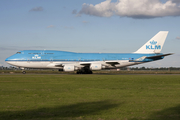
(69, 68)
(96, 66)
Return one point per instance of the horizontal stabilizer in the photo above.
(144, 58)
(159, 56)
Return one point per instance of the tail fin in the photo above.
(155, 44)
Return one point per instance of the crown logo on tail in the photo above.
(153, 42)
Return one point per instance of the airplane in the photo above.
(85, 63)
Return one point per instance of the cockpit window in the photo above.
(18, 53)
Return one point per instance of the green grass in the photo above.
(91, 97)
(47, 71)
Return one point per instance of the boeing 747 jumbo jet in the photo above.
(85, 63)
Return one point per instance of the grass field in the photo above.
(89, 97)
(96, 72)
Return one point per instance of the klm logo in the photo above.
(36, 57)
(153, 46)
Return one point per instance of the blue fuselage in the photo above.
(51, 55)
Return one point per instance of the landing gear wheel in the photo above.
(84, 72)
(24, 72)
(79, 72)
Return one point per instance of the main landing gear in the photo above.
(23, 72)
(84, 72)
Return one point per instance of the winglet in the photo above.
(155, 44)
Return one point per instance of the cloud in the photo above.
(8, 48)
(175, 1)
(74, 11)
(138, 9)
(85, 22)
(68, 27)
(178, 38)
(36, 9)
(78, 15)
(50, 26)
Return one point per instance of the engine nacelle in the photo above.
(68, 68)
(96, 66)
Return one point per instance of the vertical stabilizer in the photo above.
(155, 44)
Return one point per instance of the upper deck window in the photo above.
(48, 53)
(18, 53)
(34, 53)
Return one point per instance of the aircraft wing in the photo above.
(59, 65)
(85, 63)
(107, 62)
(112, 63)
(55, 65)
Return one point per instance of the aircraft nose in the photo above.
(7, 59)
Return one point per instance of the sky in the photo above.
(105, 26)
